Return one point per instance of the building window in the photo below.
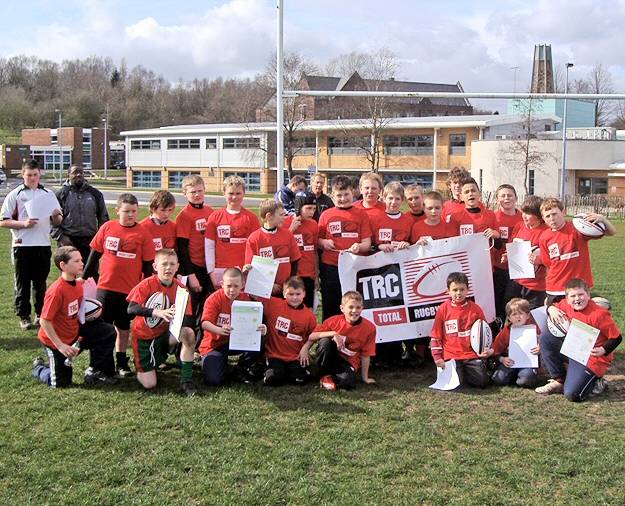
(183, 143)
(457, 144)
(530, 182)
(592, 185)
(146, 144)
(146, 179)
(241, 143)
(305, 146)
(49, 158)
(348, 145)
(176, 177)
(423, 179)
(409, 144)
(252, 179)
(211, 143)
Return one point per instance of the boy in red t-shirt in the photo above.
(306, 232)
(346, 343)
(474, 217)
(127, 254)
(190, 230)
(370, 187)
(451, 333)
(159, 225)
(454, 185)
(414, 199)
(432, 227)
(289, 323)
(214, 348)
(390, 230)
(578, 381)
(62, 335)
(150, 327)
(227, 231)
(345, 227)
(273, 240)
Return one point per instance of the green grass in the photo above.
(397, 443)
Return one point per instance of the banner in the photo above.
(402, 290)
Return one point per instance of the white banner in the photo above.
(402, 290)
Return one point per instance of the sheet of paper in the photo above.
(261, 278)
(245, 317)
(540, 317)
(446, 379)
(522, 340)
(519, 265)
(183, 279)
(579, 341)
(182, 299)
(89, 290)
(42, 206)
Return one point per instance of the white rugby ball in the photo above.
(588, 228)
(431, 280)
(603, 302)
(158, 300)
(538, 268)
(555, 328)
(481, 336)
(93, 309)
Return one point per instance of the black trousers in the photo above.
(536, 298)
(198, 298)
(99, 338)
(309, 285)
(80, 243)
(280, 372)
(330, 290)
(331, 363)
(501, 279)
(32, 266)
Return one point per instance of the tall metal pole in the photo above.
(279, 98)
(106, 144)
(563, 171)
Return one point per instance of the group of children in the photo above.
(139, 267)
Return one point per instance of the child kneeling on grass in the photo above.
(451, 333)
(346, 343)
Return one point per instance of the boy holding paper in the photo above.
(518, 313)
(579, 380)
(151, 303)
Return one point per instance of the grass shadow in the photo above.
(19, 343)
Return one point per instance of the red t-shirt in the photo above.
(451, 206)
(288, 328)
(353, 340)
(502, 341)
(149, 328)
(379, 208)
(390, 228)
(230, 232)
(217, 309)
(60, 306)
(599, 318)
(505, 226)
(123, 249)
(441, 231)
(162, 235)
(191, 224)
(565, 254)
(473, 222)
(416, 217)
(522, 232)
(279, 245)
(345, 227)
(306, 237)
(451, 332)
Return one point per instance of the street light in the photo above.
(106, 127)
(59, 140)
(563, 171)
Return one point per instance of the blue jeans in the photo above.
(214, 363)
(579, 382)
(526, 377)
(550, 354)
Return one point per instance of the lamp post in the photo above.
(59, 140)
(563, 171)
(106, 128)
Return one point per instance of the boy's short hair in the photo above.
(233, 181)
(577, 283)
(413, 187)
(191, 180)
(162, 198)
(317, 175)
(393, 187)
(30, 164)
(269, 206)
(459, 278)
(531, 205)
(340, 183)
(233, 272)
(63, 254)
(517, 305)
(433, 195)
(351, 295)
(371, 176)
(294, 282)
(165, 252)
(550, 203)
(355, 182)
(505, 186)
(457, 174)
(295, 180)
(469, 180)
(127, 198)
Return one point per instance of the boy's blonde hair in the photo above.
(414, 187)
(269, 206)
(294, 282)
(577, 283)
(517, 305)
(433, 195)
(351, 295)
(457, 174)
(393, 187)
(550, 203)
(234, 272)
(233, 181)
(191, 180)
(371, 176)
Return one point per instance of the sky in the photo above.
(477, 43)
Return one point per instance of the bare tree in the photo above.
(601, 82)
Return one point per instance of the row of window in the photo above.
(153, 179)
(211, 143)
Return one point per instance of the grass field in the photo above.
(396, 443)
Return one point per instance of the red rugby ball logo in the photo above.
(432, 278)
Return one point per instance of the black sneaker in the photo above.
(26, 324)
(95, 377)
(188, 388)
(36, 322)
(124, 371)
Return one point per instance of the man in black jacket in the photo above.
(84, 212)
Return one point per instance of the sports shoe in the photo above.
(38, 362)
(327, 382)
(95, 377)
(552, 387)
(124, 371)
(36, 322)
(188, 388)
(26, 324)
(601, 385)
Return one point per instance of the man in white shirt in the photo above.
(31, 239)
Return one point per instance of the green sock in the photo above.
(186, 371)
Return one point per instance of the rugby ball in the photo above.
(588, 228)
(603, 302)
(93, 309)
(431, 280)
(538, 268)
(158, 300)
(555, 328)
(481, 336)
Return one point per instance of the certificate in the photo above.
(182, 300)
(261, 278)
(522, 340)
(41, 207)
(446, 379)
(519, 265)
(579, 341)
(245, 317)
